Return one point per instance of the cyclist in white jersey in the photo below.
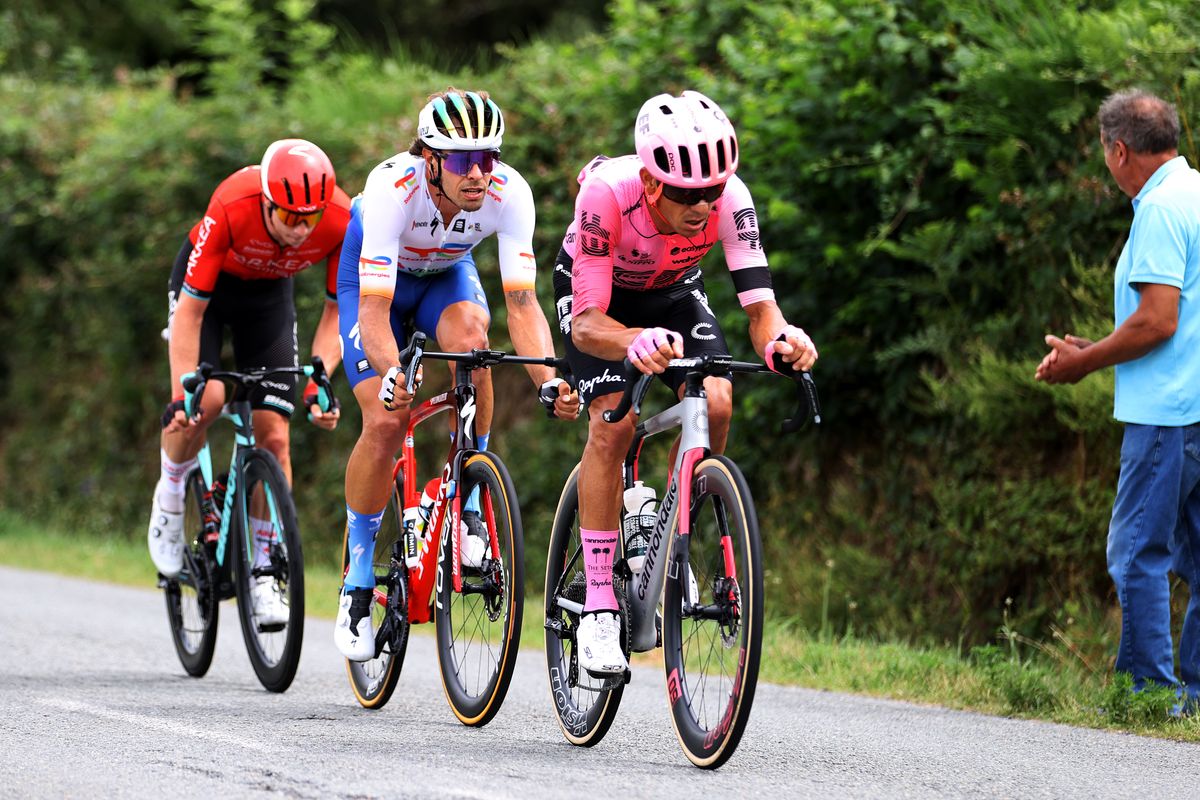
(407, 260)
(628, 285)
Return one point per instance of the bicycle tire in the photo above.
(585, 712)
(192, 603)
(274, 651)
(712, 647)
(479, 629)
(373, 681)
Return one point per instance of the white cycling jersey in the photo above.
(404, 232)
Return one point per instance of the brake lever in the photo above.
(808, 404)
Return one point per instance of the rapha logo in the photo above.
(587, 384)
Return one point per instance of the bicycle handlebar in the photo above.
(194, 383)
(637, 384)
(410, 358)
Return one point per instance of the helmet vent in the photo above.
(685, 162)
(721, 160)
(666, 110)
(287, 187)
(307, 191)
(705, 165)
(660, 158)
(323, 179)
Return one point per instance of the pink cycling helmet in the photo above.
(686, 141)
(297, 176)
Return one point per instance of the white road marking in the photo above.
(151, 722)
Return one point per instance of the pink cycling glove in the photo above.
(649, 340)
(785, 333)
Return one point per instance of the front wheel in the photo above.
(479, 628)
(585, 706)
(269, 571)
(713, 616)
(374, 680)
(192, 602)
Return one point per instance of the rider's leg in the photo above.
(368, 478)
(600, 485)
(463, 326)
(178, 451)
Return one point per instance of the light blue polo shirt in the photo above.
(1163, 386)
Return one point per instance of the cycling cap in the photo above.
(297, 175)
(686, 141)
(461, 121)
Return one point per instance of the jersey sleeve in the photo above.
(213, 240)
(514, 237)
(598, 223)
(738, 231)
(383, 224)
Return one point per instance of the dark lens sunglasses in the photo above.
(690, 197)
(460, 161)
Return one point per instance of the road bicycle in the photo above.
(219, 556)
(420, 575)
(704, 546)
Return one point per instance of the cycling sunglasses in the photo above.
(460, 161)
(691, 197)
(292, 219)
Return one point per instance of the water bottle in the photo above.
(425, 511)
(638, 523)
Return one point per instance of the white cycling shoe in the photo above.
(353, 632)
(165, 538)
(268, 605)
(598, 644)
(472, 540)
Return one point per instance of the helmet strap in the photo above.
(435, 176)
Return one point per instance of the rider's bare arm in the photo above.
(375, 327)
(599, 335)
(184, 349)
(529, 331)
(325, 340)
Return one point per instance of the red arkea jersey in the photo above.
(232, 237)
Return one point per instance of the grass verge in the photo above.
(993, 680)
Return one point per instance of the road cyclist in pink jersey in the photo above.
(627, 284)
(407, 261)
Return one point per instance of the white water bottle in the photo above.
(424, 512)
(639, 523)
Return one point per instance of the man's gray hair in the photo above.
(1144, 122)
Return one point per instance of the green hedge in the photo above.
(932, 200)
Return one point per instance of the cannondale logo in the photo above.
(705, 337)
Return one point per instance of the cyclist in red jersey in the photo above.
(263, 225)
(628, 284)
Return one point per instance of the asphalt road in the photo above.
(93, 703)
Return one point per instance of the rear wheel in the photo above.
(712, 616)
(479, 628)
(192, 602)
(268, 546)
(585, 706)
(374, 681)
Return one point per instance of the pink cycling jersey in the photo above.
(613, 241)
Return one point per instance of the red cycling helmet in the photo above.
(297, 176)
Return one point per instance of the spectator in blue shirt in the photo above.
(1155, 349)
